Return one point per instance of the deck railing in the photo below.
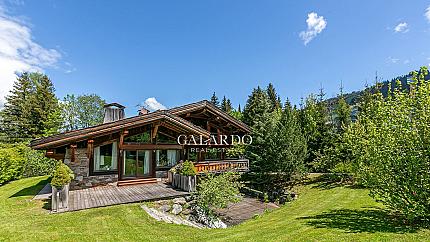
(219, 166)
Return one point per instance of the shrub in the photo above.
(11, 164)
(36, 164)
(217, 191)
(18, 160)
(62, 176)
(187, 169)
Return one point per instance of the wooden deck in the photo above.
(111, 195)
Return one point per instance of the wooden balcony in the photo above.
(219, 166)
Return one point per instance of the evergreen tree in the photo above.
(257, 105)
(290, 150)
(14, 116)
(237, 114)
(317, 126)
(278, 149)
(335, 153)
(226, 105)
(342, 113)
(275, 100)
(214, 100)
(31, 109)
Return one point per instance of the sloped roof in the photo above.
(170, 116)
(212, 108)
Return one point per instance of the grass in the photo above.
(323, 212)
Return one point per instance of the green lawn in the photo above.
(321, 213)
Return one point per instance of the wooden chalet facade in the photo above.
(142, 148)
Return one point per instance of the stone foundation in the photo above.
(81, 170)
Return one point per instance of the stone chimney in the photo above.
(143, 111)
(113, 112)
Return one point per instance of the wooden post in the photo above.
(90, 149)
(73, 153)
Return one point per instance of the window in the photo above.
(106, 157)
(167, 158)
(143, 138)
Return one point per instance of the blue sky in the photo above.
(182, 51)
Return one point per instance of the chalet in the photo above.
(141, 149)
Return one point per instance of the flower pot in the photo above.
(60, 198)
(176, 180)
(169, 177)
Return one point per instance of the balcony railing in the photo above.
(219, 166)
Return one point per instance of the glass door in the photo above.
(143, 163)
(137, 163)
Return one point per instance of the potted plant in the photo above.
(188, 176)
(183, 176)
(60, 181)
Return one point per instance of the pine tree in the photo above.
(14, 116)
(215, 100)
(290, 150)
(278, 150)
(342, 113)
(275, 100)
(316, 126)
(226, 105)
(31, 109)
(257, 105)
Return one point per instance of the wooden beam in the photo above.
(154, 131)
(151, 147)
(168, 135)
(121, 138)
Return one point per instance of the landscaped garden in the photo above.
(324, 211)
(375, 161)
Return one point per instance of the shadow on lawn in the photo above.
(32, 190)
(356, 221)
(330, 181)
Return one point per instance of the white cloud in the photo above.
(427, 14)
(401, 28)
(316, 24)
(153, 105)
(19, 52)
(69, 68)
(407, 61)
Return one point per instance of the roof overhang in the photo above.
(75, 136)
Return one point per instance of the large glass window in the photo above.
(143, 138)
(106, 157)
(167, 158)
(136, 163)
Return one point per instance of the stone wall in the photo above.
(81, 170)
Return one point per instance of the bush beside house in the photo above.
(18, 161)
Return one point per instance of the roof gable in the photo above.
(170, 116)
